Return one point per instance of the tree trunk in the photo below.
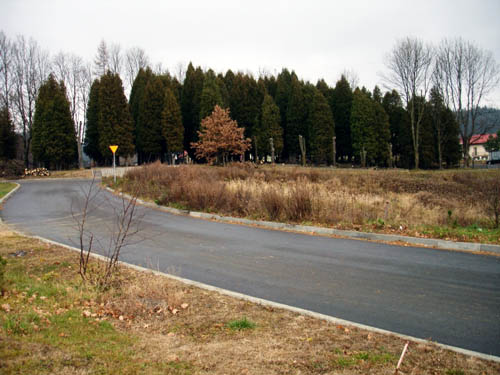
(80, 156)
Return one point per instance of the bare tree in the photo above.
(126, 224)
(101, 60)
(72, 70)
(31, 67)
(465, 75)
(6, 66)
(115, 59)
(180, 71)
(410, 71)
(135, 59)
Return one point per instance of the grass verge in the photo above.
(5, 187)
(52, 323)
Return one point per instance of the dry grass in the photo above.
(416, 203)
(151, 325)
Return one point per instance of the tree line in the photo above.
(417, 123)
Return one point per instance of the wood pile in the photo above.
(37, 172)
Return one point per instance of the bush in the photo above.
(11, 168)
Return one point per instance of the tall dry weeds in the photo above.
(324, 196)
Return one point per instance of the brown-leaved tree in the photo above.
(220, 137)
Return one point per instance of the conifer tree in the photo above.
(210, 95)
(54, 140)
(7, 135)
(321, 130)
(245, 102)
(269, 127)
(91, 142)
(369, 130)
(341, 104)
(283, 84)
(445, 130)
(150, 141)
(136, 98)
(399, 124)
(296, 117)
(115, 124)
(381, 128)
(190, 104)
(171, 121)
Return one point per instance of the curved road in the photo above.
(450, 297)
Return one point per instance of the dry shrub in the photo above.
(322, 195)
(148, 295)
(300, 201)
(273, 202)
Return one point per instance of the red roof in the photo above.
(479, 139)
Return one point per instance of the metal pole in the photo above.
(114, 167)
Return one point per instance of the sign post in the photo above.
(113, 149)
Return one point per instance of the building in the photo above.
(476, 149)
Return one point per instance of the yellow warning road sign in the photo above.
(113, 148)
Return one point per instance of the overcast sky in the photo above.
(317, 39)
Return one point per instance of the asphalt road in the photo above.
(449, 297)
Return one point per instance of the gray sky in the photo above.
(317, 39)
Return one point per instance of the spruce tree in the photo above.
(7, 136)
(136, 98)
(54, 140)
(399, 124)
(245, 100)
(364, 142)
(269, 127)
(171, 121)
(190, 105)
(91, 141)
(381, 129)
(296, 117)
(210, 95)
(341, 104)
(321, 130)
(445, 130)
(150, 141)
(283, 84)
(115, 125)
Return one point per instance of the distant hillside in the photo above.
(489, 119)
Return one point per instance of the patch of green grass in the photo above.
(240, 324)
(5, 187)
(472, 233)
(344, 361)
(455, 372)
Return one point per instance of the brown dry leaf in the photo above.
(6, 307)
(184, 306)
(86, 313)
(120, 317)
(175, 311)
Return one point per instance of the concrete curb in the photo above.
(416, 241)
(276, 305)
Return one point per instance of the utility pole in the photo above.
(271, 142)
(302, 144)
(334, 152)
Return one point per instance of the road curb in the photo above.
(470, 247)
(264, 302)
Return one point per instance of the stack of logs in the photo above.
(38, 172)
